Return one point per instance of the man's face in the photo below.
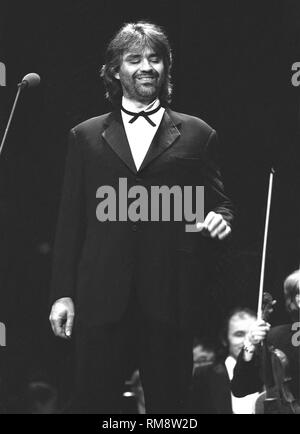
(202, 356)
(141, 75)
(237, 329)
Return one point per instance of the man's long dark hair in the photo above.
(138, 35)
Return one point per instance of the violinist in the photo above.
(210, 389)
(248, 371)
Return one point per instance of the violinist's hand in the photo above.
(257, 332)
(62, 317)
(214, 226)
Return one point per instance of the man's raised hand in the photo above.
(214, 226)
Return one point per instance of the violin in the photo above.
(271, 402)
(278, 397)
(287, 403)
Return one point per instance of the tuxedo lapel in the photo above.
(115, 136)
(165, 136)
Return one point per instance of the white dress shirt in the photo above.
(140, 133)
(243, 405)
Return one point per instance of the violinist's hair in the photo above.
(139, 36)
(291, 290)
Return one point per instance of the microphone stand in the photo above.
(20, 87)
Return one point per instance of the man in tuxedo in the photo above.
(128, 282)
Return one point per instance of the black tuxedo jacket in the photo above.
(99, 264)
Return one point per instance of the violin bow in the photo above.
(263, 261)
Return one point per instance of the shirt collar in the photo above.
(130, 106)
(230, 363)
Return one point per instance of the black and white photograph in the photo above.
(149, 209)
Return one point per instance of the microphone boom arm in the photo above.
(10, 118)
(30, 80)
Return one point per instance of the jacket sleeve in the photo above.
(215, 198)
(70, 228)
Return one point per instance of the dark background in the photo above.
(232, 68)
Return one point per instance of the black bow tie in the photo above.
(143, 114)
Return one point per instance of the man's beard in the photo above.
(144, 87)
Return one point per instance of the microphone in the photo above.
(30, 80)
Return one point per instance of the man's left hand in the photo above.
(214, 226)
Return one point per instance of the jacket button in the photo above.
(138, 180)
(134, 228)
